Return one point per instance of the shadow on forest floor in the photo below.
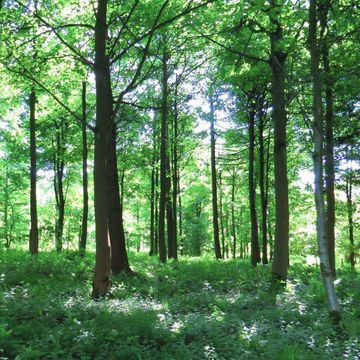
(191, 309)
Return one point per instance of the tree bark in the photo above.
(318, 166)
(221, 216)
(119, 258)
(164, 185)
(175, 172)
(180, 218)
(267, 183)
(263, 195)
(213, 181)
(156, 214)
(279, 116)
(233, 213)
(329, 137)
(349, 208)
(7, 231)
(152, 200)
(59, 166)
(101, 281)
(34, 231)
(84, 222)
(255, 251)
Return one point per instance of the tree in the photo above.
(324, 8)
(214, 177)
(85, 212)
(325, 266)
(59, 166)
(164, 160)
(255, 252)
(34, 231)
(279, 117)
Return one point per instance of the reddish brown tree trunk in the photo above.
(279, 116)
(101, 281)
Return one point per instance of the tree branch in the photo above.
(187, 10)
(54, 30)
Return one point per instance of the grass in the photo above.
(190, 309)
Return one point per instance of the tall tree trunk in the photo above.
(233, 213)
(175, 172)
(84, 222)
(255, 251)
(164, 184)
(318, 166)
(34, 231)
(101, 281)
(213, 181)
(263, 195)
(329, 137)
(277, 62)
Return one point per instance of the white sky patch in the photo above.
(306, 178)
(349, 165)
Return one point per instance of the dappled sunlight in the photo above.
(194, 308)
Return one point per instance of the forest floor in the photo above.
(190, 309)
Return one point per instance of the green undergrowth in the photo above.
(190, 309)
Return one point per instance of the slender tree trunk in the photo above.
(101, 281)
(267, 183)
(169, 217)
(221, 216)
(34, 231)
(170, 229)
(169, 209)
(233, 213)
(198, 219)
(263, 194)
(227, 232)
(152, 201)
(84, 222)
(329, 136)
(213, 181)
(255, 251)
(59, 184)
(175, 173)
(6, 208)
(156, 225)
(164, 185)
(318, 166)
(349, 208)
(277, 62)
(180, 218)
